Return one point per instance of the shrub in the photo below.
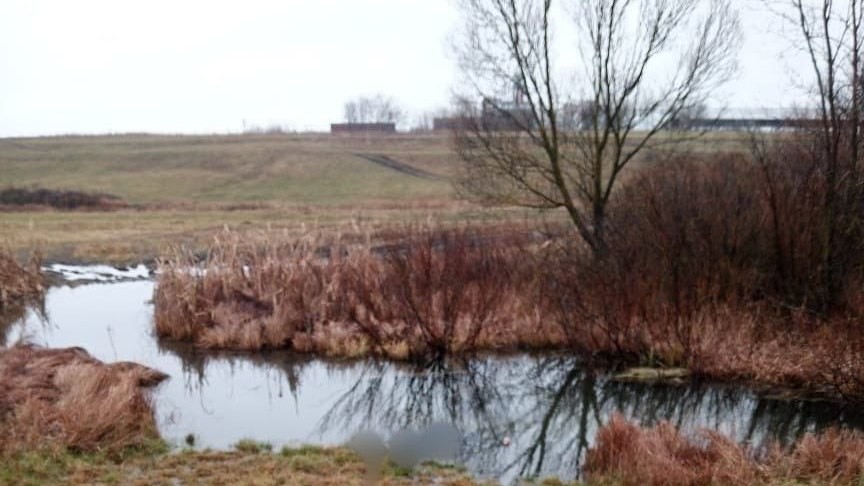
(631, 455)
(58, 199)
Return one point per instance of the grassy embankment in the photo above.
(187, 187)
(625, 455)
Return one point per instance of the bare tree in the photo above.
(373, 109)
(830, 34)
(636, 78)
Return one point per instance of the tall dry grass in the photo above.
(64, 398)
(434, 292)
(702, 271)
(627, 454)
(695, 277)
(19, 283)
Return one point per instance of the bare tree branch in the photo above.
(538, 142)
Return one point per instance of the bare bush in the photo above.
(662, 455)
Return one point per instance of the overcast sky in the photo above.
(190, 66)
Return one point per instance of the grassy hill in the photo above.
(186, 188)
(189, 187)
(300, 169)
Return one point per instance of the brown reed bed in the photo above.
(434, 292)
(19, 283)
(63, 399)
(705, 268)
(627, 454)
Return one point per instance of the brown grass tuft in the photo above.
(53, 398)
(631, 455)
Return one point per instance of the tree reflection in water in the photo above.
(548, 407)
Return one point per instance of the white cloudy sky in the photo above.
(192, 66)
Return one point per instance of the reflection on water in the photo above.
(13, 315)
(545, 407)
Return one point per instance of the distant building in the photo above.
(362, 128)
(450, 123)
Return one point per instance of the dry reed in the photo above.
(697, 274)
(627, 454)
(19, 283)
(435, 292)
(52, 398)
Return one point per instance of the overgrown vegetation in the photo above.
(714, 263)
(435, 292)
(64, 400)
(626, 454)
(718, 265)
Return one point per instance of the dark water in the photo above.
(547, 407)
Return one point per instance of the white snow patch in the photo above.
(98, 273)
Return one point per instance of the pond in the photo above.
(523, 415)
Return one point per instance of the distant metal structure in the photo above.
(362, 128)
(450, 123)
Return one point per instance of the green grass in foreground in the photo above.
(302, 466)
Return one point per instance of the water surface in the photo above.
(546, 407)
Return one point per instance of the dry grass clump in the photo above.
(19, 283)
(627, 454)
(434, 292)
(64, 398)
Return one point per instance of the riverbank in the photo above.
(442, 291)
(303, 466)
(625, 455)
(549, 407)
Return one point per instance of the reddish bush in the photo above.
(627, 454)
(435, 292)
